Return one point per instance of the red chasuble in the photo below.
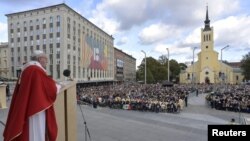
(36, 92)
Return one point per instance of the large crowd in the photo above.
(230, 98)
(154, 98)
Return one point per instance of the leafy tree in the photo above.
(174, 69)
(245, 66)
(163, 59)
(182, 66)
(157, 70)
(150, 77)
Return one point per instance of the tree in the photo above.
(163, 59)
(245, 66)
(174, 69)
(157, 70)
(182, 66)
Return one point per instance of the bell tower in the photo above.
(208, 58)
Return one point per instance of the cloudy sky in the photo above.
(154, 25)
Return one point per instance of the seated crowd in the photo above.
(151, 97)
(231, 98)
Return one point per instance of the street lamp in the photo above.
(168, 63)
(193, 64)
(145, 67)
(222, 76)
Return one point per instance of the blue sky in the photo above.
(154, 25)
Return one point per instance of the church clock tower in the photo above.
(208, 58)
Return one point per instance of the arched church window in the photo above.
(188, 76)
(204, 38)
(206, 72)
(206, 47)
(209, 37)
(237, 77)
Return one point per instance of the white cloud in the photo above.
(108, 25)
(233, 30)
(173, 49)
(122, 41)
(158, 32)
(194, 37)
(3, 32)
(127, 13)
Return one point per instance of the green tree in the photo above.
(245, 66)
(182, 66)
(157, 70)
(174, 70)
(163, 59)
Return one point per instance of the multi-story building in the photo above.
(125, 66)
(69, 40)
(4, 61)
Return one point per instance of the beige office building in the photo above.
(125, 66)
(69, 40)
(4, 61)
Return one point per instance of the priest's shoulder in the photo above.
(33, 67)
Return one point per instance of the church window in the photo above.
(207, 72)
(204, 38)
(237, 77)
(188, 76)
(209, 37)
(206, 47)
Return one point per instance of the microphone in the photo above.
(66, 73)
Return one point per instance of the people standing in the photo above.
(232, 122)
(186, 99)
(31, 116)
(8, 92)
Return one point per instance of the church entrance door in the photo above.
(207, 80)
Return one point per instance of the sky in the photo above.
(154, 25)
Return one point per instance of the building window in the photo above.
(58, 39)
(237, 77)
(51, 50)
(207, 73)
(51, 30)
(206, 47)
(51, 19)
(44, 48)
(58, 29)
(44, 31)
(44, 21)
(58, 71)
(58, 18)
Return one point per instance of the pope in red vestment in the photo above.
(34, 93)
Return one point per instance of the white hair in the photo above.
(36, 54)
